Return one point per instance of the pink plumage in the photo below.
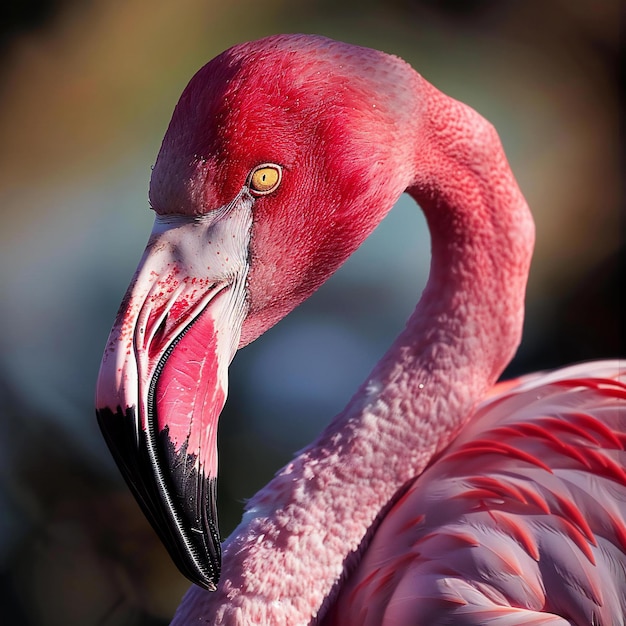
(525, 509)
(437, 496)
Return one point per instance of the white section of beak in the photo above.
(187, 262)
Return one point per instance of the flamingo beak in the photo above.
(163, 378)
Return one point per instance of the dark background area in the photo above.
(86, 91)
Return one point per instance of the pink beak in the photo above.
(164, 376)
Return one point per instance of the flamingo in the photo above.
(437, 496)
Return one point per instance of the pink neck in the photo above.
(283, 563)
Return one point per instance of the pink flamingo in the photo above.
(435, 497)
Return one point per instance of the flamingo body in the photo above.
(520, 521)
(434, 497)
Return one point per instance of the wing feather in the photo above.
(521, 521)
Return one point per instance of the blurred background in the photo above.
(86, 91)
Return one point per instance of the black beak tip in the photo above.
(178, 500)
(206, 584)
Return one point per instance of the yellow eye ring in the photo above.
(264, 178)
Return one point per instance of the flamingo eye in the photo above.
(264, 178)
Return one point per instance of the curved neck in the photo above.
(482, 236)
(283, 563)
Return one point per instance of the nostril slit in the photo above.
(161, 329)
(158, 336)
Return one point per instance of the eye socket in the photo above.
(264, 178)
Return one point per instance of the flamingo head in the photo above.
(281, 156)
